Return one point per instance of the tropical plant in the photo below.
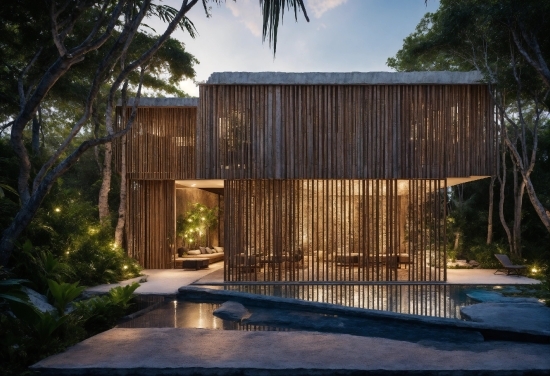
(95, 259)
(45, 326)
(63, 293)
(102, 312)
(194, 227)
(122, 295)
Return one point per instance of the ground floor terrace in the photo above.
(336, 230)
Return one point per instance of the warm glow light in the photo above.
(193, 185)
(57, 210)
(67, 252)
(202, 219)
(534, 270)
(125, 266)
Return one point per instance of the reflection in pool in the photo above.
(181, 314)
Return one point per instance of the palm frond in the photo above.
(273, 12)
(167, 13)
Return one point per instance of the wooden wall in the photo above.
(344, 132)
(161, 144)
(150, 228)
(335, 230)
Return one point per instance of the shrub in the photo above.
(485, 254)
(102, 312)
(96, 260)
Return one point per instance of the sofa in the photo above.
(214, 255)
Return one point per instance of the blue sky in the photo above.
(342, 36)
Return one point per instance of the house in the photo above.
(319, 176)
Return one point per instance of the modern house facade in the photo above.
(321, 177)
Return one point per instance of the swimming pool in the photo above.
(435, 300)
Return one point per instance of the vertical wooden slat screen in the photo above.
(335, 230)
(344, 132)
(161, 144)
(151, 222)
(160, 148)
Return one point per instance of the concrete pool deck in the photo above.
(172, 351)
(168, 281)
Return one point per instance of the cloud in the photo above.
(318, 7)
(247, 13)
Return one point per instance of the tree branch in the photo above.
(20, 81)
(104, 67)
(540, 66)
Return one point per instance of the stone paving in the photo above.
(169, 351)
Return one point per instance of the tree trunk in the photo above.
(103, 204)
(537, 205)
(36, 126)
(119, 231)
(97, 126)
(516, 229)
(22, 219)
(490, 214)
(502, 181)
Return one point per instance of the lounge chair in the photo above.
(507, 266)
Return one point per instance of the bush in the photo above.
(102, 312)
(485, 254)
(95, 259)
(26, 339)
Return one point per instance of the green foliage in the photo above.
(13, 298)
(122, 295)
(95, 259)
(63, 293)
(194, 226)
(29, 338)
(71, 245)
(39, 264)
(485, 254)
(46, 325)
(102, 312)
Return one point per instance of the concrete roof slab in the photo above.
(163, 102)
(351, 78)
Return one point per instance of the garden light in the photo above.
(57, 210)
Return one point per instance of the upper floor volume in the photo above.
(377, 125)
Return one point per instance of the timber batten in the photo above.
(335, 230)
(161, 143)
(150, 232)
(345, 132)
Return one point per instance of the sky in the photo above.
(342, 36)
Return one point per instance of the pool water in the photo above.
(181, 314)
(174, 313)
(436, 300)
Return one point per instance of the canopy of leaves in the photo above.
(465, 35)
(25, 29)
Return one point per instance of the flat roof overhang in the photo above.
(219, 183)
(350, 78)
